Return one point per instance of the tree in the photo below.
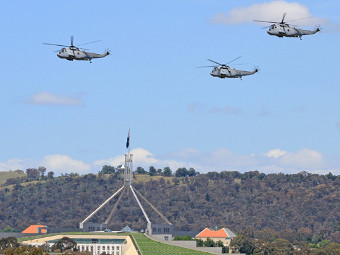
(8, 229)
(152, 171)
(50, 175)
(159, 171)
(192, 172)
(181, 172)
(243, 244)
(281, 246)
(32, 173)
(9, 242)
(42, 171)
(64, 243)
(106, 169)
(209, 243)
(167, 171)
(140, 170)
(199, 243)
(219, 243)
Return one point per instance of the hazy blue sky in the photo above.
(74, 116)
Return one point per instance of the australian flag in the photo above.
(128, 140)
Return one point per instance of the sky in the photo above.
(74, 116)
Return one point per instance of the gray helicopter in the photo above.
(283, 29)
(74, 53)
(224, 71)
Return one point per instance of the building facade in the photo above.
(96, 244)
(224, 235)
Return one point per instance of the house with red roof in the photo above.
(224, 234)
(35, 229)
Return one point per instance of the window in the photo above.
(159, 230)
(103, 248)
(117, 248)
(166, 230)
(108, 248)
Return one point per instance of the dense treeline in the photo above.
(299, 206)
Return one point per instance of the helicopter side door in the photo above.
(224, 72)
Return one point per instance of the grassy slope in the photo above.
(145, 177)
(151, 247)
(9, 174)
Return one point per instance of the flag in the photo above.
(128, 140)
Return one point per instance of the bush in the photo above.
(182, 238)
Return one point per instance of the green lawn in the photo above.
(149, 246)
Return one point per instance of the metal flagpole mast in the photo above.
(128, 163)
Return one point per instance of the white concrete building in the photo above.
(96, 244)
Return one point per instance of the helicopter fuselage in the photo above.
(74, 53)
(227, 72)
(288, 31)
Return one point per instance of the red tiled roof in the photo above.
(33, 229)
(213, 233)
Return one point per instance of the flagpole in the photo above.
(128, 163)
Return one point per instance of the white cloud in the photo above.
(269, 11)
(275, 153)
(63, 163)
(46, 98)
(304, 158)
(141, 157)
(13, 164)
(273, 161)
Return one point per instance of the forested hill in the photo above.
(302, 204)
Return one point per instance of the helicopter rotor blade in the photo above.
(274, 22)
(214, 62)
(89, 42)
(283, 18)
(71, 40)
(265, 27)
(204, 66)
(233, 60)
(300, 19)
(61, 45)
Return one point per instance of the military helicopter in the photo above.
(283, 29)
(74, 53)
(224, 71)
